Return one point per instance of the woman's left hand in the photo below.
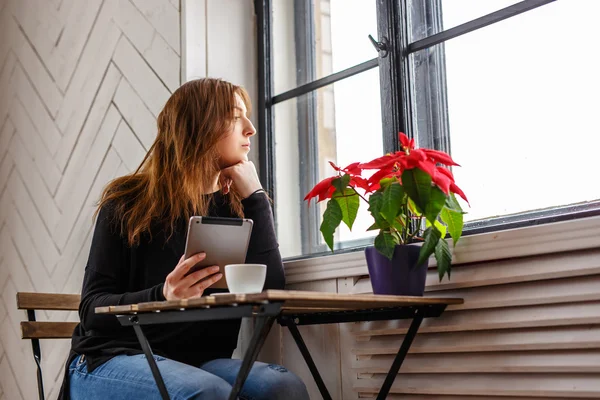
(243, 175)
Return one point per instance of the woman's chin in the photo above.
(242, 157)
(230, 163)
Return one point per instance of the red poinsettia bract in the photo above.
(392, 166)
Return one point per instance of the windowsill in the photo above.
(554, 237)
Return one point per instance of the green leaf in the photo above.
(400, 223)
(437, 198)
(385, 182)
(341, 183)
(417, 184)
(349, 203)
(443, 258)
(431, 236)
(440, 227)
(331, 220)
(454, 220)
(392, 202)
(374, 227)
(453, 204)
(375, 201)
(413, 208)
(385, 244)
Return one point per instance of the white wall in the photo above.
(219, 38)
(81, 84)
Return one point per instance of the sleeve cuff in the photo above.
(255, 198)
(159, 292)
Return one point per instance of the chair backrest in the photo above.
(32, 302)
(35, 330)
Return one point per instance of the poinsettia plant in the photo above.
(411, 197)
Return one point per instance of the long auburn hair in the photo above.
(180, 165)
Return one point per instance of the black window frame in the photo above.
(393, 24)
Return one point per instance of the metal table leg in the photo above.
(406, 343)
(261, 330)
(150, 357)
(306, 354)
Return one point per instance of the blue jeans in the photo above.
(129, 377)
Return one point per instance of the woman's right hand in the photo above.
(243, 176)
(178, 286)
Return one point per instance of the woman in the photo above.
(198, 165)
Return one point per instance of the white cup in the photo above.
(245, 278)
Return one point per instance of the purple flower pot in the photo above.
(398, 276)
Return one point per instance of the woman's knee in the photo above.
(209, 387)
(280, 383)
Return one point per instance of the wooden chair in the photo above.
(36, 330)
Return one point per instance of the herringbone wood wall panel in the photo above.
(81, 84)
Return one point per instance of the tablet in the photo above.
(224, 240)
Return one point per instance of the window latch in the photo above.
(381, 47)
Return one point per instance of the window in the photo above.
(508, 88)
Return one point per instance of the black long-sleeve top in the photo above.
(118, 274)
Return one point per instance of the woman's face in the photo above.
(235, 144)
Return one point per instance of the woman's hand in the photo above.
(243, 175)
(178, 286)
